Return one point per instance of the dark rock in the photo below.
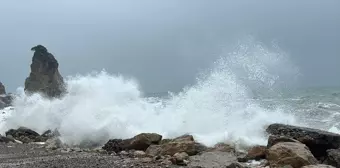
(139, 142)
(274, 139)
(114, 145)
(25, 135)
(44, 77)
(333, 157)
(2, 104)
(2, 89)
(50, 134)
(6, 139)
(143, 141)
(5, 99)
(318, 141)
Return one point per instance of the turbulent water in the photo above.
(234, 101)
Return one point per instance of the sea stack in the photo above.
(2, 89)
(44, 77)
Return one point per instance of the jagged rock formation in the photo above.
(2, 89)
(5, 99)
(44, 77)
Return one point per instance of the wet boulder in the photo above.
(138, 142)
(114, 145)
(25, 135)
(290, 153)
(44, 77)
(318, 141)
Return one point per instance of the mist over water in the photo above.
(224, 105)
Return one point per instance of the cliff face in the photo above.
(44, 77)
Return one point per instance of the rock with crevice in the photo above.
(318, 141)
(44, 77)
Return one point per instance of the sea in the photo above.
(233, 101)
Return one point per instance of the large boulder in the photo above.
(181, 144)
(2, 89)
(290, 153)
(44, 77)
(318, 141)
(138, 142)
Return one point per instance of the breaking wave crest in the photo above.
(223, 105)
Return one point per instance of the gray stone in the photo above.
(44, 77)
(318, 141)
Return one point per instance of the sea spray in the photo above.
(219, 107)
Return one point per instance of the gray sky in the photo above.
(164, 44)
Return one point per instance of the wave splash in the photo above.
(219, 107)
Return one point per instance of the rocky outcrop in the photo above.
(2, 89)
(25, 135)
(44, 77)
(290, 153)
(318, 141)
(5, 99)
(333, 157)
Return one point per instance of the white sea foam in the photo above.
(219, 107)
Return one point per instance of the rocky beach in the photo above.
(288, 146)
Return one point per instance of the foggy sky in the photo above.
(164, 44)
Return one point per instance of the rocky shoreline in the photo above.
(288, 146)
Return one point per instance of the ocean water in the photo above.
(243, 92)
